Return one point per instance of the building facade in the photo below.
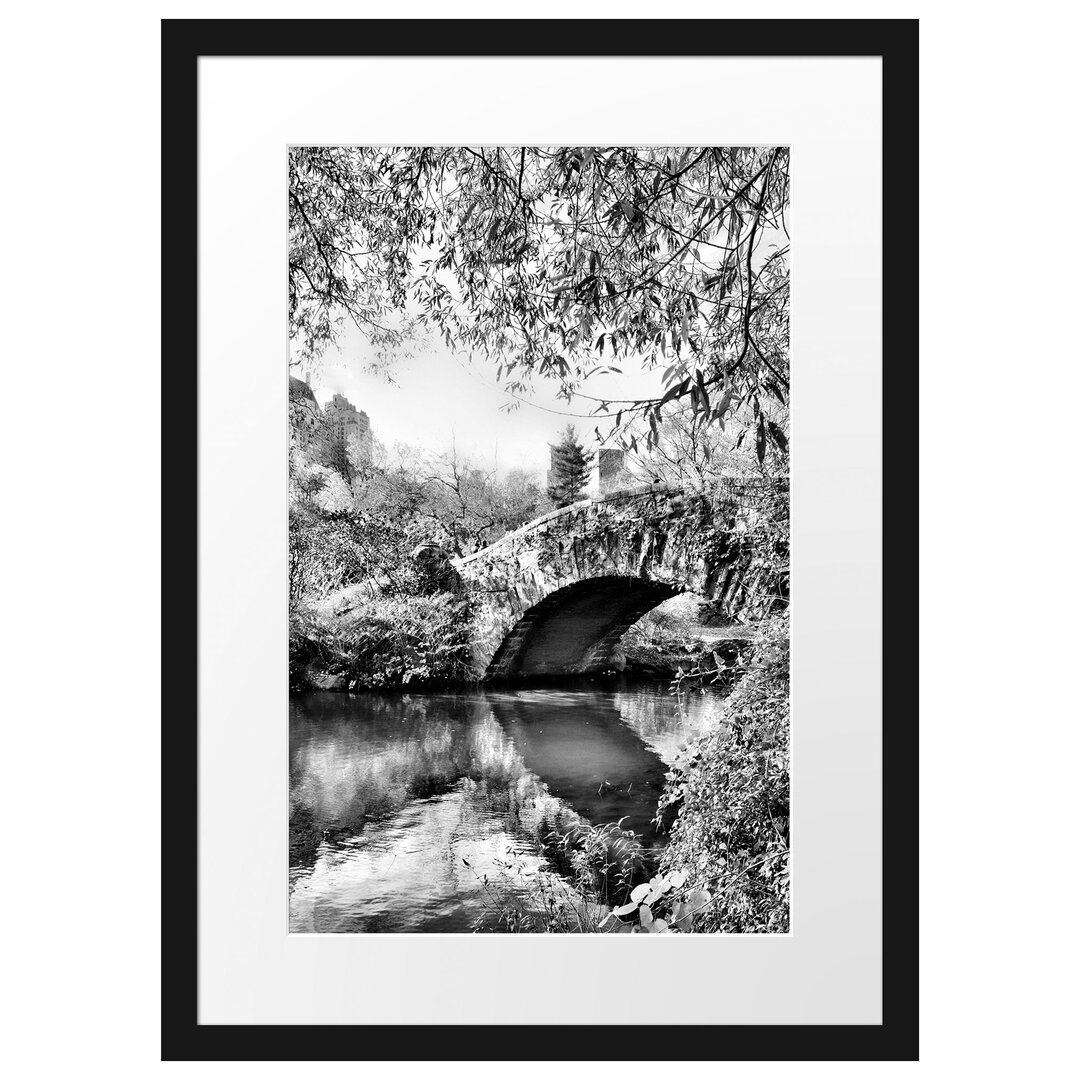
(612, 470)
(338, 436)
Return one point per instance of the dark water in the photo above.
(400, 804)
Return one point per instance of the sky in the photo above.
(438, 398)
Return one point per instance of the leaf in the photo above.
(778, 436)
(698, 898)
(640, 892)
(675, 391)
(702, 390)
(645, 916)
(626, 909)
(681, 915)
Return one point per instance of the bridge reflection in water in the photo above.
(585, 754)
(391, 794)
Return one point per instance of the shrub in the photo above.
(329, 550)
(664, 632)
(731, 790)
(594, 868)
(591, 868)
(382, 641)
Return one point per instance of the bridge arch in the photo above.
(576, 628)
(557, 595)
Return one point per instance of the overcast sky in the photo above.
(438, 397)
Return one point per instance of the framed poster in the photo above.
(542, 459)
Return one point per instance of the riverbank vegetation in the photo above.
(731, 794)
(375, 642)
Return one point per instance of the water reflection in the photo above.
(391, 795)
(588, 757)
(663, 725)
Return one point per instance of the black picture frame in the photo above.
(183, 42)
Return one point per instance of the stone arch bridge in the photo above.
(557, 595)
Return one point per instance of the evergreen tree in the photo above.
(570, 466)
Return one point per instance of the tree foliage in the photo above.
(694, 454)
(570, 465)
(470, 507)
(560, 262)
(329, 550)
(345, 532)
(348, 248)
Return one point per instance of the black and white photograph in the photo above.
(538, 459)
(529, 481)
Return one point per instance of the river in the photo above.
(402, 804)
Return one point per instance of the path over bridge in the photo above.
(557, 595)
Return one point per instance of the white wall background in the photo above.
(80, 186)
